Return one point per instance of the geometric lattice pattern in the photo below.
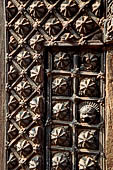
(55, 84)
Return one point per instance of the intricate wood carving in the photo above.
(55, 86)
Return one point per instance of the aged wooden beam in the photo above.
(109, 110)
(2, 84)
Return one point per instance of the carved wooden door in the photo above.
(55, 82)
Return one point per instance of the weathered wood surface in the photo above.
(109, 110)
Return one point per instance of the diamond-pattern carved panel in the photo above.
(55, 93)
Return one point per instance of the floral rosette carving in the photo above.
(11, 10)
(12, 74)
(88, 112)
(24, 118)
(36, 42)
(12, 131)
(24, 88)
(62, 61)
(89, 62)
(24, 58)
(60, 85)
(61, 161)
(36, 163)
(36, 134)
(36, 105)
(12, 45)
(85, 25)
(12, 161)
(37, 73)
(37, 9)
(61, 111)
(22, 26)
(60, 136)
(87, 139)
(12, 104)
(88, 87)
(53, 26)
(68, 8)
(23, 147)
(88, 163)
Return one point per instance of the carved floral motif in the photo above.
(68, 8)
(61, 161)
(37, 9)
(22, 26)
(85, 25)
(53, 26)
(87, 139)
(12, 45)
(12, 74)
(37, 74)
(62, 61)
(35, 163)
(36, 105)
(11, 9)
(89, 62)
(24, 58)
(60, 136)
(60, 85)
(88, 163)
(36, 134)
(88, 87)
(24, 88)
(61, 111)
(13, 103)
(23, 118)
(36, 42)
(24, 147)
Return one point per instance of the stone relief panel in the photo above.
(55, 90)
(75, 119)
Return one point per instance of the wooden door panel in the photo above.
(55, 82)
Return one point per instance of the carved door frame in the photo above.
(54, 45)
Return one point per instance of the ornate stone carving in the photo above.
(87, 162)
(24, 147)
(37, 73)
(68, 8)
(36, 105)
(13, 103)
(62, 61)
(61, 111)
(88, 112)
(12, 161)
(88, 87)
(36, 42)
(60, 85)
(87, 139)
(12, 74)
(37, 9)
(12, 131)
(22, 26)
(12, 10)
(24, 58)
(23, 118)
(36, 134)
(12, 45)
(61, 161)
(60, 136)
(85, 25)
(53, 26)
(24, 88)
(89, 62)
(35, 162)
